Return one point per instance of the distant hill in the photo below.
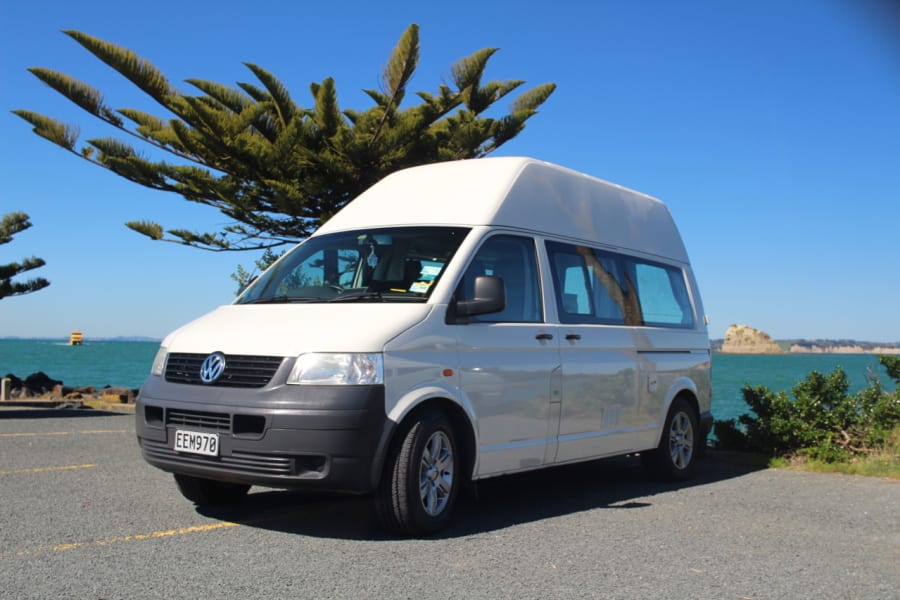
(747, 340)
(841, 347)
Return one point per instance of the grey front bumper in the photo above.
(316, 437)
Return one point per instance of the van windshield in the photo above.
(398, 264)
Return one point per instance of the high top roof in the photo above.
(521, 193)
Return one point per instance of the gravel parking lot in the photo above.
(82, 516)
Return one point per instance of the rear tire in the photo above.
(420, 480)
(207, 491)
(676, 456)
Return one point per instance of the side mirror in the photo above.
(490, 297)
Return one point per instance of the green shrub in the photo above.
(819, 420)
(892, 364)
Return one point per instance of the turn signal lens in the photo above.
(159, 362)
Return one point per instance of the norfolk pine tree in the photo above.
(275, 168)
(10, 225)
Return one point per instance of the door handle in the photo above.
(544, 336)
(573, 337)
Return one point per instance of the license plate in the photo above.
(196, 442)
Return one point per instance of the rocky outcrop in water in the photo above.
(743, 339)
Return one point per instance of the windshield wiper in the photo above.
(283, 300)
(361, 295)
(389, 296)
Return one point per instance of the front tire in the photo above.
(420, 481)
(207, 491)
(675, 458)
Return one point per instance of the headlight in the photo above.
(159, 363)
(337, 369)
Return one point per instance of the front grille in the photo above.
(245, 462)
(240, 371)
(192, 418)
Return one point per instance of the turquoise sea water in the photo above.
(96, 363)
(100, 363)
(782, 372)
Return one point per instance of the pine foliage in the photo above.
(276, 168)
(10, 225)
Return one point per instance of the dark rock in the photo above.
(40, 383)
(14, 382)
(123, 394)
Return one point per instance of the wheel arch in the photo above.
(459, 417)
(685, 388)
(691, 397)
(682, 388)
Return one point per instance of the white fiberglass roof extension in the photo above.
(521, 193)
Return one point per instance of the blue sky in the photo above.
(770, 128)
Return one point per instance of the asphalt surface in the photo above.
(82, 516)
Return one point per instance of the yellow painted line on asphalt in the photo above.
(137, 537)
(83, 432)
(46, 469)
(35, 434)
(95, 431)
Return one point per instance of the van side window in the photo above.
(595, 286)
(513, 259)
(663, 293)
(590, 287)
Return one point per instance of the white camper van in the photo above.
(455, 322)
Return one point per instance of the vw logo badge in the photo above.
(212, 368)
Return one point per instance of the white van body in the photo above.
(597, 346)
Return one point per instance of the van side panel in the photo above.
(671, 362)
(599, 413)
(504, 376)
(421, 363)
(506, 371)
